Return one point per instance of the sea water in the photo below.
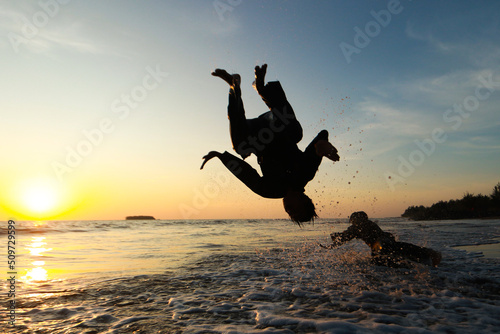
(248, 276)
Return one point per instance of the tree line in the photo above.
(469, 206)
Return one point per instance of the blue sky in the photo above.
(112, 105)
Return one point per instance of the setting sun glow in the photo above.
(40, 198)
(37, 199)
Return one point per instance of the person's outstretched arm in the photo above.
(246, 174)
(341, 238)
(338, 239)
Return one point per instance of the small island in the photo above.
(469, 207)
(139, 218)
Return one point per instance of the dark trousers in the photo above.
(275, 130)
(402, 250)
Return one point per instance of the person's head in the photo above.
(299, 207)
(358, 217)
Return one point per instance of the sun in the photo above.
(39, 197)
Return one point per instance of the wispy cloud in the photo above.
(404, 111)
(390, 127)
(389, 119)
(475, 145)
(30, 28)
(444, 90)
(428, 37)
(478, 52)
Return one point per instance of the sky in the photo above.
(108, 106)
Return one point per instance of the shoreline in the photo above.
(443, 219)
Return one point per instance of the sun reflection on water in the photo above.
(36, 249)
(37, 274)
(38, 223)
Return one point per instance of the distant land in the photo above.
(140, 218)
(469, 206)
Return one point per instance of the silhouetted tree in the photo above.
(469, 206)
(495, 200)
(495, 195)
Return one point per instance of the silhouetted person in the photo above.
(273, 138)
(385, 249)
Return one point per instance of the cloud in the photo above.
(427, 36)
(34, 29)
(431, 94)
(400, 112)
(388, 127)
(477, 144)
(481, 51)
(399, 122)
(442, 91)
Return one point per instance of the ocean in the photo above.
(245, 276)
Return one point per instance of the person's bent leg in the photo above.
(312, 160)
(285, 125)
(238, 125)
(260, 74)
(321, 147)
(417, 253)
(238, 128)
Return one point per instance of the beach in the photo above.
(250, 276)
(160, 157)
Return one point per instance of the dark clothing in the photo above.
(272, 132)
(385, 249)
(273, 138)
(411, 252)
(367, 231)
(279, 176)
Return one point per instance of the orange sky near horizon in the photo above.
(211, 197)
